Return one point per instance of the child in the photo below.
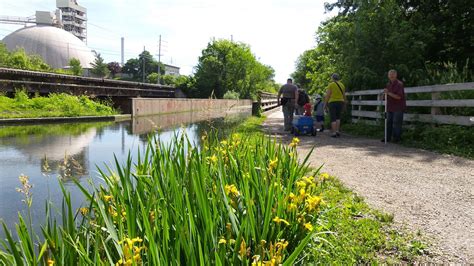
(319, 112)
(307, 109)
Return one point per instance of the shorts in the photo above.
(320, 118)
(335, 110)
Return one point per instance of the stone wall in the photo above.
(155, 106)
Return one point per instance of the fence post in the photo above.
(435, 110)
(379, 107)
(256, 105)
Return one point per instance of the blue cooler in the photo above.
(303, 125)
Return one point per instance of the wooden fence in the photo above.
(360, 104)
(267, 100)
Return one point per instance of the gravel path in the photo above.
(424, 190)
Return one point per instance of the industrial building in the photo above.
(171, 70)
(56, 46)
(57, 36)
(74, 18)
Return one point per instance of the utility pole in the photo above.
(122, 50)
(143, 68)
(159, 61)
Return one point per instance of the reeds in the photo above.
(244, 200)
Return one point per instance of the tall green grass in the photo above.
(55, 105)
(235, 201)
(242, 200)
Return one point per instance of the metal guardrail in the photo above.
(436, 103)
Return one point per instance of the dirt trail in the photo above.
(424, 190)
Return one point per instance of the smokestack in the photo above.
(122, 42)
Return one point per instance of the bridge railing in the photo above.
(267, 101)
(362, 101)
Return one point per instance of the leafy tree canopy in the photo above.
(230, 66)
(421, 39)
(99, 67)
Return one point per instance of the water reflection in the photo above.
(74, 151)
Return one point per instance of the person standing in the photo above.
(318, 112)
(303, 99)
(396, 105)
(334, 101)
(290, 96)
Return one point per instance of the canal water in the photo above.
(46, 153)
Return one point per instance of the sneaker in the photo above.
(334, 135)
(338, 134)
(383, 140)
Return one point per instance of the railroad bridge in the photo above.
(121, 92)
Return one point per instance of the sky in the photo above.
(277, 31)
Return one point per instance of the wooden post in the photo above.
(434, 97)
(379, 108)
(359, 108)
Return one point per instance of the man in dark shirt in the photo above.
(288, 101)
(396, 105)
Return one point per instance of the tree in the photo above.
(225, 65)
(143, 66)
(367, 38)
(76, 67)
(300, 76)
(19, 59)
(231, 95)
(147, 65)
(131, 68)
(187, 84)
(152, 78)
(168, 80)
(99, 67)
(114, 68)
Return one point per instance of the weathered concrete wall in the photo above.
(145, 124)
(155, 106)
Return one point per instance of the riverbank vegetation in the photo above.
(54, 105)
(20, 60)
(424, 41)
(245, 199)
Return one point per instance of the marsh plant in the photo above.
(232, 201)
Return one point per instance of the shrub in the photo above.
(76, 67)
(57, 104)
(231, 95)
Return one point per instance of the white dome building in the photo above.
(54, 45)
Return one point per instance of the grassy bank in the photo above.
(55, 105)
(448, 139)
(243, 200)
(357, 233)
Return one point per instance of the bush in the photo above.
(57, 104)
(231, 95)
(76, 67)
(153, 78)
